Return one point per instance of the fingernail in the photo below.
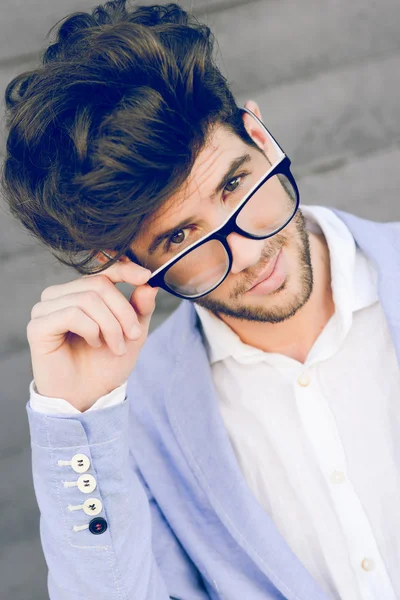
(121, 347)
(135, 332)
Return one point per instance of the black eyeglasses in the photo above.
(262, 206)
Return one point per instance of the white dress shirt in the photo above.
(319, 442)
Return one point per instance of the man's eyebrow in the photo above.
(233, 167)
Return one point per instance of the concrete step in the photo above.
(334, 115)
(272, 42)
(23, 570)
(24, 29)
(16, 374)
(262, 43)
(367, 186)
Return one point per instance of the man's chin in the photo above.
(276, 307)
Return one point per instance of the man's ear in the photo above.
(253, 106)
(256, 132)
(102, 258)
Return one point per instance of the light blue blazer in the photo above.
(182, 521)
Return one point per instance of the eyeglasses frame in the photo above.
(282, 166)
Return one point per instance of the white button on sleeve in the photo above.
(80, 463)
(91, 506)
(86, 484)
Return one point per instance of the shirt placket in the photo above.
(321, 429)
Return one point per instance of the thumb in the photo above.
(143, 300)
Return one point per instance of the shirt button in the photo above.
(86, 483)
(337, 477)
(98, 525)
(80, 463)
(303, 379)
(92, 506)
(368, 564)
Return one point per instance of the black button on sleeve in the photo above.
(98, 525)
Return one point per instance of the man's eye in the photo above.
(174, 240)
(228, 184)
(177, 237)
(239, 186)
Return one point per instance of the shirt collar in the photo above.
(354, 286)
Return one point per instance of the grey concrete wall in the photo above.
(326, 76)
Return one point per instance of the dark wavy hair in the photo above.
(109, 125)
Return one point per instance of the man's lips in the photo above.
(267, 271)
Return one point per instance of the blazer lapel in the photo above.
(381, 243)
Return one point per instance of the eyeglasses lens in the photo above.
(202, 269)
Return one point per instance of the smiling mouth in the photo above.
(267, 272)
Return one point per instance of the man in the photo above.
(252, 452)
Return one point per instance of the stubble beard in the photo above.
(290, 305)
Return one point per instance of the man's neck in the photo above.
(296, 336)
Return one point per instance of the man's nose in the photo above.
(245, 251)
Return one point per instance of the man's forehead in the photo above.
(221, 146)
(213, 161)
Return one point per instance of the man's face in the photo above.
(287, 290)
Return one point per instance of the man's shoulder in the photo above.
(369, 232)
(350, 215)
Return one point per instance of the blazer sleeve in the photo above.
(126, 550)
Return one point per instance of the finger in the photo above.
(111, 296)
(46, 331)
(117, 273)
(97, 309)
